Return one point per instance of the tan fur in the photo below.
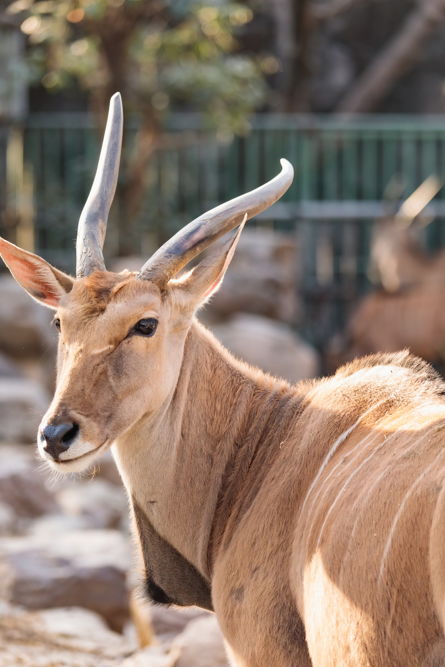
(309, 517)
(230, 471)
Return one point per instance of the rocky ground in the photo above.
(67, 572)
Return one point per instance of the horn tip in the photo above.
(286, 166)
(116, 102)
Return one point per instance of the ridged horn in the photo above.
(93, 219)
(203, 231)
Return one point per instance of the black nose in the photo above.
(58, 438)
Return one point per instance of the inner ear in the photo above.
(42, 281)
(205, 278)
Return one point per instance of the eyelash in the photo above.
(145, 327)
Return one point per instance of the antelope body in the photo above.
(310, 518)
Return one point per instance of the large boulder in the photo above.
(25, 326)
(8, 521)
(167, 622)
(80, 568)
(152, 656)
(269, 345)
(98, 502)
(23, 402)
(261, 278)
(9, 369)
(59, 637)
(23, 485)
(201, 645)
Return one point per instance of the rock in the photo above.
(79, 568)
(201, 644)
(170, 621)
(25, 326)
(7, 520)
(23, 487)
(261, 278)
(58, 523)
(8, 369)
(270, 345)
(58, 638)
(99, 503)
(152, 656)
(23, 402)
(78, 622)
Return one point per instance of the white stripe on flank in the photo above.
(342, 467)
(362, 499)
(351, 476)
(339, 441)
(400, 511)
(354, 507)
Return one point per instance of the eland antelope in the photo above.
(310, 518)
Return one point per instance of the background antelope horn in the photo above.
(93, 219)
(203, 231)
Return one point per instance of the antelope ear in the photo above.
(206, 277)
(41, 280)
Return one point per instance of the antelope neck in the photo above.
(195, 470)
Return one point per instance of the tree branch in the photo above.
(395, 59)
(329, 10)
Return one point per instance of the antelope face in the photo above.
(121, 336)
(118, 359)
(120, 350)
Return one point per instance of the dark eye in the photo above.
(56, 323)
(145, 327)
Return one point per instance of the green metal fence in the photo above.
(343, 167)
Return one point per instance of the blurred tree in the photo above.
(301, 27)
(402, 51)
(160, 54)
(296, 26)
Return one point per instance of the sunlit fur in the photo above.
(315, 513)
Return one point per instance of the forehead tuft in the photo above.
(93, 294)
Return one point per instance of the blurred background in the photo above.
(349, 262)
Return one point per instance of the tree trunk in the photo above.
(293, 31)
(285, 46)
(300, 78)
(395, 59)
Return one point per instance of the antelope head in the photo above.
(121, 336)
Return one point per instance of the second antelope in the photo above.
(310, 518)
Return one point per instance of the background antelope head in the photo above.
(122, 335)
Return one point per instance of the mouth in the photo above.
(76, 463)
(92, 452)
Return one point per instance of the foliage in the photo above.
(161, 54)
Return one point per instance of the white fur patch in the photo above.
(78, 448)
(78, 457)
